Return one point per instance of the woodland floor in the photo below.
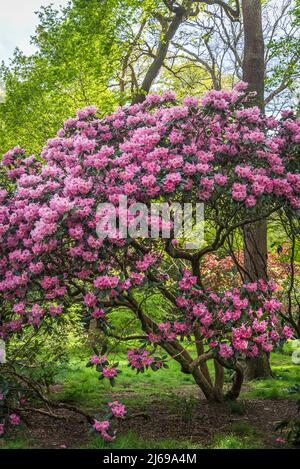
(177, 416)
(256, 426)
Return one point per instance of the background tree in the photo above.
(106, 52)
(89, 52)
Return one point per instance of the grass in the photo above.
(237, 407)
(286, 376)
(243, 428)
(17, 443)
(232, 441)
(241, 438)
(132, 441)
(79, 384)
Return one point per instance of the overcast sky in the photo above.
(17, 24)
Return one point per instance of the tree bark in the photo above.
(161, 54)
(254, 50)
(255, 235)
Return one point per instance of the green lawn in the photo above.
(81, 384)
(286, 377)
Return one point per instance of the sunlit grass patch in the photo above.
(132, 441)
(81, 384)
(232, 441)
(286, 376)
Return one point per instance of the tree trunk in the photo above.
(161, 54)
(255, 235)
(254, 53)
(255, 251)
(258, 368)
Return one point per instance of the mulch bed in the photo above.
(199, 425)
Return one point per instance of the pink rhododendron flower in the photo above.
(138, 358)
(109, 372)
(95, 360)
(117, 409)
(226, 351)
(101, 426)
(287, 332)
(14, 419)
(90, 299)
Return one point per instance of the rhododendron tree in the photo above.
(221, 152)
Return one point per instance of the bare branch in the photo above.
(233, 14)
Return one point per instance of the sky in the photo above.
(17, 24)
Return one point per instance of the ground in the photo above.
(177, 415)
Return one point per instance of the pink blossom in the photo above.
(14, 419)
(225, 351)
(138, 358)
(101, 426)
(239, 191)
(287, 332)
(95, 360)
(117, 409)
(105, 281)
(190, 101)
(220, 179)
(98, 313)
(250, 201)
(90, 299)
(109, 372)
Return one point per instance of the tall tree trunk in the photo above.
(255, 235)
(254, 49)
(161, 53)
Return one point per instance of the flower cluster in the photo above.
(104, 368)
(239, 322)
(140, 359)
(117, 410)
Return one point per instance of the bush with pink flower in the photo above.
(11, 403)
(116, 410)
(221, 152)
